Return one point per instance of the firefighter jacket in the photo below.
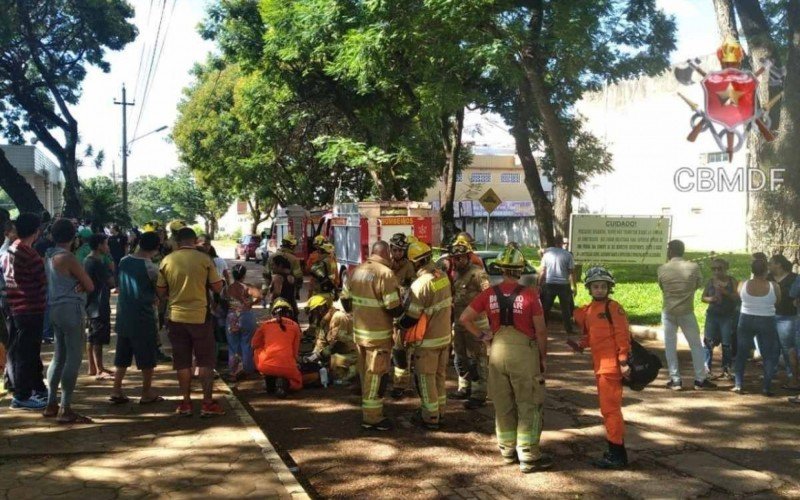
(605, 331)
(467, 285)
(404, 271)
(376, 301)
(335, 335)
(430, 296)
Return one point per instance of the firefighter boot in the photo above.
(615, 458)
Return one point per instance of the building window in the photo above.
(460, 177)
(697, 210)
(480, 177)
(510, 178)
(716, 157)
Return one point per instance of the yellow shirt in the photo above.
(185, 273)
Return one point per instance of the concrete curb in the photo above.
(293, 487)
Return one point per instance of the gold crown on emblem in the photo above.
(730, 51)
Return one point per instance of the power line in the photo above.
(142, 52)
(150, 68)
(158, 57)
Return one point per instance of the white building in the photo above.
(238, 220)
(644, 124)
(41, 173)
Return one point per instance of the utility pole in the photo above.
(124, 105)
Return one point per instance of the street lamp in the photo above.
(125, 153)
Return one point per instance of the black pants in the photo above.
(24, 370)
(565, 300)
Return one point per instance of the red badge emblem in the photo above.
(730, 97)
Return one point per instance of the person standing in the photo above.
(404, 273)
(757, 320)
(429, 315)
(283, 283)
(25, 298)
(722, 298)
(137, 319)
(183, 279)
(117, 246)
(517, 361)
(678, 280)
(286, 251)
(605, 330)
(240, 322)
(557, 280)
(67, 284)
(98, 304)
(470, 357)
(780, 270)
(376, 302)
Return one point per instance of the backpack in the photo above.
(644, 364)
(506, 304)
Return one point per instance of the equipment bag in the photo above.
(644, 364)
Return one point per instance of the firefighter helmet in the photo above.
(317, 301)
(280, 304)
(289, 241)
(399, 241)
(176, 226)
(511, 258)
(598, 274)
(419, 251)
(326, 248)
(319, 240)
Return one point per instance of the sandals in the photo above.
(118, 400)
(51, 411)
(104, 376)
(74, 418)
(155, 399)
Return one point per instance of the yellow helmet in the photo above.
(289, 241)
(318, 301)
(511, 258)
(462, 245)
(280, 304)
(730, 51)
(319, 240)
(326, 247)
(176, 226)
(148, 227)
(418, 251)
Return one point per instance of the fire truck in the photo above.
(354, 227)
(297, 221)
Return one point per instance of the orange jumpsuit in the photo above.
(610, 343)
(275, 351)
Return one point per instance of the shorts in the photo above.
(99, 331)
(189, 339)
(141, 347)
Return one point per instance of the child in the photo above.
(98, 304)
(605, 331)
(276, 345)
(722, 299)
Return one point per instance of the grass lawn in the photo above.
(638, 291)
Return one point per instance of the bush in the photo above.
(199, 230)
(236, 234)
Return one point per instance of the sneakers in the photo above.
(459, 394)
(383, 425)
(675, 386)
(615, 458)
(184, 409)
(474, 404)
(31, 404)
(736, 389)
(543, 463)
(211, 409)
(41, 395)
(701, 385)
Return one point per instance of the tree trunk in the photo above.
(452, 130)
(18, 189)
(69, 167)
(255, 215)
(726, 19)
(521, 133)
(207, 227)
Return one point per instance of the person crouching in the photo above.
(605, 330)
(276, 345)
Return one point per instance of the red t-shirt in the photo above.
(526, 306)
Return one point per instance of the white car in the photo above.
(262, 254)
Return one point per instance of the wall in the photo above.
(41, 173)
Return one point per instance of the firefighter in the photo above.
(323, 275)
(315, 256)
(172, 243)
(428, 318)
(334, 343)
(276, 345)
(288, 244)
(405, 274)
(605, 330)
(518, 337)
(470, 357)
(376, 301)
(462, 239)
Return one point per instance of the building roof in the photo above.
(28, 158)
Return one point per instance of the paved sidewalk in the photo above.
(139, 451)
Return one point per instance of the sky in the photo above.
(100, 120)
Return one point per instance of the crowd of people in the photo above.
(398, 320)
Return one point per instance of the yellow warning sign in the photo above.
(490, 200)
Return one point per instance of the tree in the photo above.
(100, 198)
(19, 191)
(772, 32)
(46, 46)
